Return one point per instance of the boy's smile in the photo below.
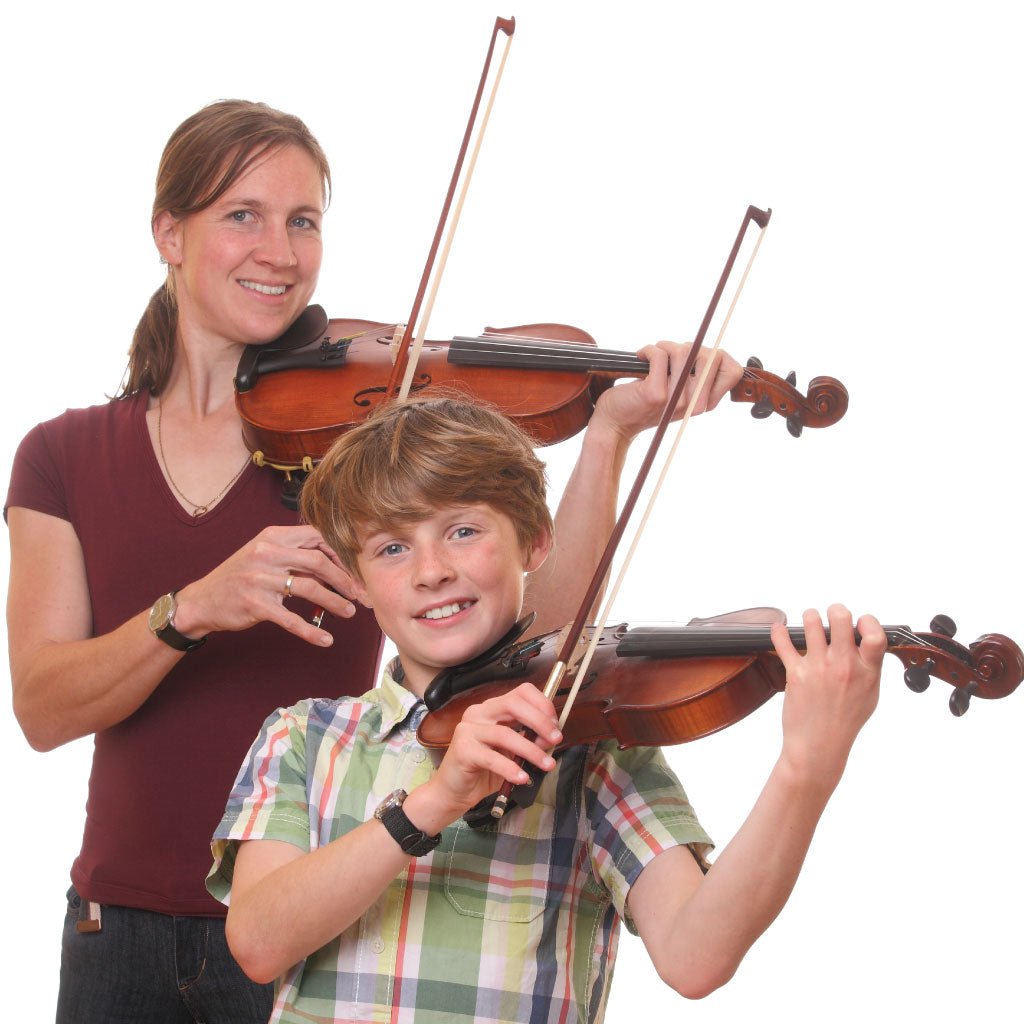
(447, 587)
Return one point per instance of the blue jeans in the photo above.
(149, 968)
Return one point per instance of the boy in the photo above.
(370, 904)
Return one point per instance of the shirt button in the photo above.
(418, 756)
(377, 945)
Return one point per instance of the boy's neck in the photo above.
(415, 682)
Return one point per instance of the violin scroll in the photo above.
(992, 667)
(825, 403)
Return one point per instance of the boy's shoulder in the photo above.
(378, 711)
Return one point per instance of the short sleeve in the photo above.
(637, 809)
(36, 477)
(269, 799)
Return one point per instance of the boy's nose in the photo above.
(432, 568)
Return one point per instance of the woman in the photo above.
(134, 614)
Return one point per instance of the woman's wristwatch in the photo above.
(161, 622)
(402, 830)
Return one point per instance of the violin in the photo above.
(659, 686)
(297, 394)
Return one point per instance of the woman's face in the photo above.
(246, 266)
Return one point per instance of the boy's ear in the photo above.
(539, 551)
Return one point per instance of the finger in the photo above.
(323, 597)
(729, 374)
(784, 647)
(504, 740)
(297, 625)
(316, 565)
(702, 404)
(814, 632)
(656, 386)
(840, 623)
(525, 706)
(873, 641)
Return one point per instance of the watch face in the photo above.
(161, 612)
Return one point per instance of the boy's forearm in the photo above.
(285, 904)
(699, 943)
(280, 917)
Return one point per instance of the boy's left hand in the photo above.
(831, 692)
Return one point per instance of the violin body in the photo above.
(297, 394)
(658, 686)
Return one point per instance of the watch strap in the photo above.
(411, 839)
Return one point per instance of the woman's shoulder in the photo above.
(113, 412)
(66, 446)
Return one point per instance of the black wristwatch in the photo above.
(403, 831)
(161, 622)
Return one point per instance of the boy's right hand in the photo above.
(480, 757)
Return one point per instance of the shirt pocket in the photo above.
(502, 872)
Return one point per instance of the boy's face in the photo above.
(446, 588)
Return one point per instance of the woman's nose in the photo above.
(275, 247)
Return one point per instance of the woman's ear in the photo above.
(167, 231)
(538, 551)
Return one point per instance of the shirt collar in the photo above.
(397, 704)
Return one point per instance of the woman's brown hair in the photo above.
(204, 157)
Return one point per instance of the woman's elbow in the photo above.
(41, 730)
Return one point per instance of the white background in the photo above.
(622, 153)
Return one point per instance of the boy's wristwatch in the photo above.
(161, 622)
(402, 830)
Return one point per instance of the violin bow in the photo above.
(575, 629)
(408, 352)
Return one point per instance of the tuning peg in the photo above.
(755, 363)
(762, 408)
(791, 378)
(943, 625)
(918, 677)
(795, 423)
(960, 700)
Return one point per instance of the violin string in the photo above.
(417, 346)
(606, 612)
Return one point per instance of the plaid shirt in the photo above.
(514, 922)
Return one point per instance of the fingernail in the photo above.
(523, 777)
(326, 639)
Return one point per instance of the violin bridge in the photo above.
(396, 342)
(573, 660)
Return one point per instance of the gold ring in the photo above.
(288, 586)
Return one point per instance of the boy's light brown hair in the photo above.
(409, 459)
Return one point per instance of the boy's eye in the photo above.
(465, 531)
(392, 549)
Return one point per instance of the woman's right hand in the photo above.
(252, 586)
(69, 682)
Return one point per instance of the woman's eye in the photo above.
(303, 223)
(240, 216)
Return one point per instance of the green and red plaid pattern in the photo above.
(518, 921)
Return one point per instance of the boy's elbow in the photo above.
(696, 981)
(250, 951)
